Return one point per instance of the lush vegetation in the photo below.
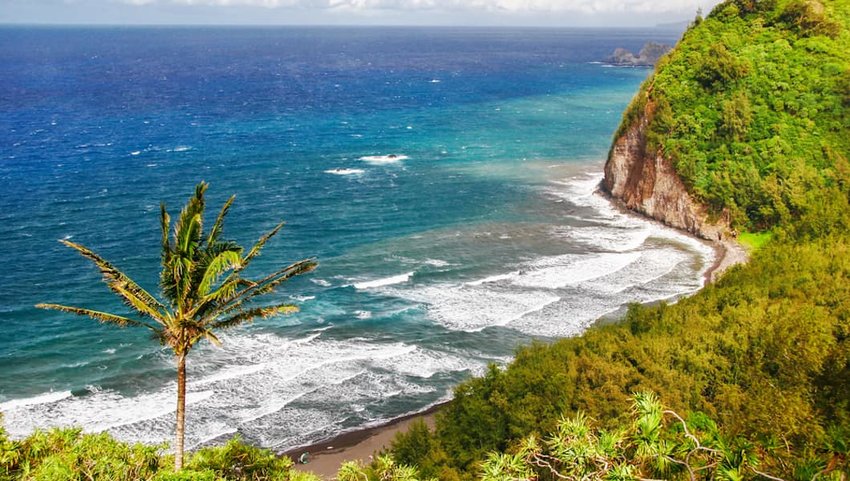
(752, 108)
(202, 283)
(765, 352)
(70, 455)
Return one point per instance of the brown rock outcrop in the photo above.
(646, 182)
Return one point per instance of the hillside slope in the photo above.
(744, 124)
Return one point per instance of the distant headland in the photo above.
(648, 56)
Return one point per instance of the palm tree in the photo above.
(202, 288)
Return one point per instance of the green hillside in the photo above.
(753, 108)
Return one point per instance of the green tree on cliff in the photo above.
(202, 288)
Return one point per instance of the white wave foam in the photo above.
(320, 282)
(494, 278)
(384, 159)
(608, 238)
(437, 263)
(423, 363)
(182, 148)
(582, 190)
(387, 281)
(46, 398)
(345, 171)
(473, 308)
(274, 390)
(561, 271)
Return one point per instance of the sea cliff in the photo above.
(646, 182)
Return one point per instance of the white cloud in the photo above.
(496, 6)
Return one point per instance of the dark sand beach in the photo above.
(326, 457)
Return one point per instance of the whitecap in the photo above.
(384, 159)
(345, 171)
(302, 298)
(495, 278)
(386, 281)
(562, 271)
(437, 263)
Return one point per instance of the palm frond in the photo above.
(215, 231)
(104, 317)
(255, 250)
(229, 259)
(189, 225)
(268, 283)
(165, 225)
(118, 282)
(227, 305)
(249, 314)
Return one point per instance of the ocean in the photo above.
(444, 178)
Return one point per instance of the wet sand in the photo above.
(728, 253)
(326, 457)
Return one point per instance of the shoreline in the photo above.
(359, 444)
(728, 253)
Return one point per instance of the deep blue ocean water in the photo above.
(444, 178)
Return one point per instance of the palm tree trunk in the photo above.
(181, 411)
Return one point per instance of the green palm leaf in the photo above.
(103, 317)
(253, 313)
(132, 294)
(193, 264)
(215, 230)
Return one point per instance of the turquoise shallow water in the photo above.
(479, 233)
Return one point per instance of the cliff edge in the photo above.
(646, 182)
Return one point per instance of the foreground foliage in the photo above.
(657, 443)
(69, 454)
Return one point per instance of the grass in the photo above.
(754, 241)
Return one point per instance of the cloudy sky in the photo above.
(355, 12)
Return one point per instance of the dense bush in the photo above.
(656, 443)
(70, 455)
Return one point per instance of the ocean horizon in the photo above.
(445, 178)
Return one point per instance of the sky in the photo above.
(554, 13)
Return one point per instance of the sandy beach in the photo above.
(728, 253)
(326, 457)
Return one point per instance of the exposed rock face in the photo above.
(647, 183)
(648, 56)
